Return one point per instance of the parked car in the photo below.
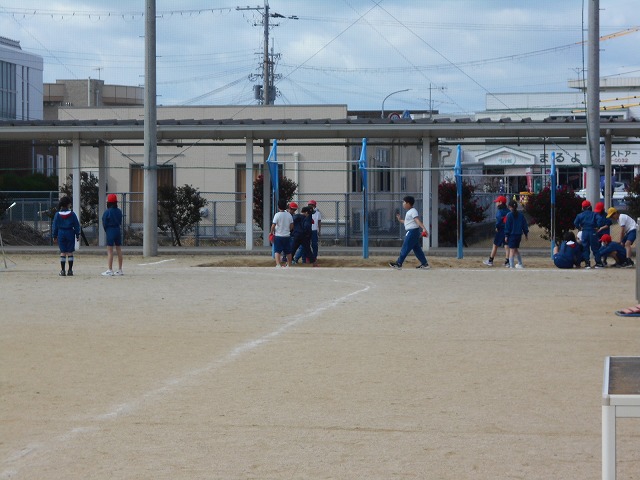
(617, 198)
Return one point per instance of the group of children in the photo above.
(291, 232)
(66, 232)
(594, 237)
(510, 227)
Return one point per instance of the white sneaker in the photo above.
(519, 265)
(488, 263)
(108, 273)
(118, 273)
(278, 266)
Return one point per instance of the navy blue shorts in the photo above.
(629, 237)
(114, 237)
(498, 239)
(561, 262)
(66, 241)
(514, 241)
(282, 245)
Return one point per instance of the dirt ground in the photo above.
(238, 370)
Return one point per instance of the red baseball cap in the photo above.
(312, 202)
(293, 205)
(606, 238)
(112, 198)
(500, 199)
(599, 207)
(586, 203)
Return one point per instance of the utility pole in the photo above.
(431, 88)
(268, 95)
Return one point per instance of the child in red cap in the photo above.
(586, 222)
(614, 250)
(112, 225)
(498, 239)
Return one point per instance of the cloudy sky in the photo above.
(448, 53)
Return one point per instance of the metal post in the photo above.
(593, 102)
(248, 187)
(150, 196)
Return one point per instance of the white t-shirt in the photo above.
(627, 223)
(409, 219)
(283, 221)
(317, 217)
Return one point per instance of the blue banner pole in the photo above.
(459, 222)
(272, 163)
(362, 163)
(553, 189)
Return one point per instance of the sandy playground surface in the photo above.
(178, 371)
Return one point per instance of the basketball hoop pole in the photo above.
(4, 256)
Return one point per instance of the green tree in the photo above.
(633, 198)
(179, 210)
(568, 205)
(286, 189)
(88, 197)
(448, 213)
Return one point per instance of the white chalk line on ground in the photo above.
(173, 383)
(156, 263)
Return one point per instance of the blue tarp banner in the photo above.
(458, 173)
(362, 164)
(272, 163)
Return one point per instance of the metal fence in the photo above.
(223, 218)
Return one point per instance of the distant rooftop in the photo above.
(10, 43)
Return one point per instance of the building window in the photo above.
(356, 175)
(383, 170)
(51, 168)
(40, 163)
(7, 90)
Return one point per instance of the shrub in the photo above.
(448, 214)
(633, 199)
(568, 205)
(286, 189)
(179, 210)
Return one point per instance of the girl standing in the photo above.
(66, 230)
(515, 226)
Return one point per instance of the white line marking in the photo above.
(156, 263)
(10, 471)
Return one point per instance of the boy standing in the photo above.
(412, 239)
(112, 223)
(281, 228)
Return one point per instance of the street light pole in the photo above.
(385, 98)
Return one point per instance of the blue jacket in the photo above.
(607, 250)
(501, 213)
(111, 218)
(302, 226)
(516, 225)
(586, 221)
(65, 221)
(569, 255)
(602, 221)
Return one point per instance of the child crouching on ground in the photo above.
(614, 250)
(569, 253)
